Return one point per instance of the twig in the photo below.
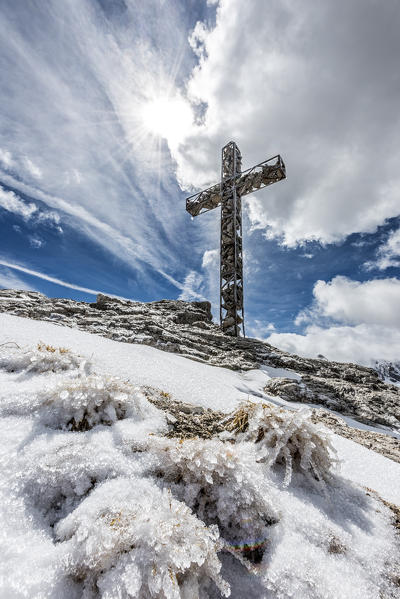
(8, 342)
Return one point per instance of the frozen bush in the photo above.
(41, 359)
(81, 404)
(130, 539)
(223, 484)
(285, 436)
(57, 473)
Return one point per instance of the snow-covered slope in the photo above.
(98, 501)
(186, 328)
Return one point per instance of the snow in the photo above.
(96, 503)
(186, 380)
(369, 469)
(280, 372)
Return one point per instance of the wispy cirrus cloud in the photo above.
(12, 281)
(78, 135)
(12, 203)
(191, 287)
(29, 211)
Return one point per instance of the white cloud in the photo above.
(210, 258)
(36, 242)
(32, 168)
(210, 265)
(352, 302)
(260, 330)
(362, 322)
(388, 254)
(12, 203)
(29, 211)
(6, 158)
(362, 344)
(19, 162)
(286, 77)
(191, 287)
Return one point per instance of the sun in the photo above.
(167, 117)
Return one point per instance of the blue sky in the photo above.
(113, 111)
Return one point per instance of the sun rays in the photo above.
(167, 117)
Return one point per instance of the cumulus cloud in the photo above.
(352, 302)
(388, 254)
(259, 329)
(314, 82)
(362, 344)
(349, 321)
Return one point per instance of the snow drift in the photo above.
(114, 508)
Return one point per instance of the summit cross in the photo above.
(228, 193)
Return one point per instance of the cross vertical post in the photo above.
(228, 193)
(231, 250)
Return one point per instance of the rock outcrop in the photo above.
(389, 371)
(187, 328)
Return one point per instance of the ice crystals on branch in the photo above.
(131, 539)
(223, 485)
(41, 359)
(285, 436)
(79, 405)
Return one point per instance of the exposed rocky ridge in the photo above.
(187, 328)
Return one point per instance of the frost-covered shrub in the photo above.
(81, 404)
(223, 484)
(285, 436)
(130, 539)
(56, 473)
(41, 359)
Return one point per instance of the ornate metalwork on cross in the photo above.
(228, 193)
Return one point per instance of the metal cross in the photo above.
(234, 184)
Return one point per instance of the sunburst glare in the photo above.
(168, 117)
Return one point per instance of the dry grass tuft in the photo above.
(49, 348)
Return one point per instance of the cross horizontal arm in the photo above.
(254, 178)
